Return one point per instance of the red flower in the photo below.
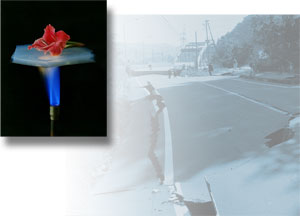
(53, 42)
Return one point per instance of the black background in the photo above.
(24, 101)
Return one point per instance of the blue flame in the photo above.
(52, 78)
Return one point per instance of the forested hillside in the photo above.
(266, 42)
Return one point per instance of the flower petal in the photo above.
(39, 44)
(51, 42)
(49, 34)
(62, 36)
(57, 48)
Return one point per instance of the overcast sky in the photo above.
(156, 29)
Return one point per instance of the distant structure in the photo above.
(197, 55)
(189, 53)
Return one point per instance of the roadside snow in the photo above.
(162, 81)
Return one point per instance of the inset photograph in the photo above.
(53, 68)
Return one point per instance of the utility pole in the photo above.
(196, 60)
(143, 53)
(125, 44)
(211, 36)
(152, 56)
(182, 38)
(208, 31)
(207, 41)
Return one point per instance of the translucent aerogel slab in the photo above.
(69, 56)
